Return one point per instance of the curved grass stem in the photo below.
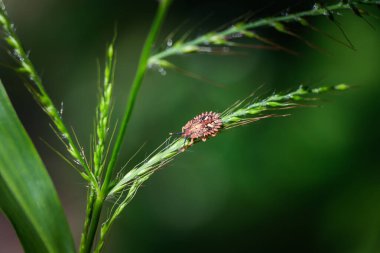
(245, 29)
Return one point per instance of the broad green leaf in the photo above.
(27, 195)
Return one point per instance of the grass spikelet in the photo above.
(103, 112)
(273, 102)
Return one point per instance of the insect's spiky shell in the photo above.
(203, 126)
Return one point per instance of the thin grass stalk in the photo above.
(141, 69)
(92, 229)
(245, 29)
(91, 197)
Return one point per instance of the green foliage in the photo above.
(28, 197)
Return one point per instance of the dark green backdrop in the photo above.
(306, 183)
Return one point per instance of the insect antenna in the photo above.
(179, 133)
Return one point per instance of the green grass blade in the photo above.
(27, 194)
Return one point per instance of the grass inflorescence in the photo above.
(103, 112)
(102, 127)
(237, 115)
(225, 38)
(35, 86)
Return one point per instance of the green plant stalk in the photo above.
(142, 66)
(97, 208)
(141, 69)
(38, 91)
(218, 38)
(87, 222)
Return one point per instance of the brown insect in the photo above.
(202, 127)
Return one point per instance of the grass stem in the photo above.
(97, 209)
(221, 37)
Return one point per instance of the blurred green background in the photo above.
(306, 183)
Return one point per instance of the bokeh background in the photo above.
(306, 183)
